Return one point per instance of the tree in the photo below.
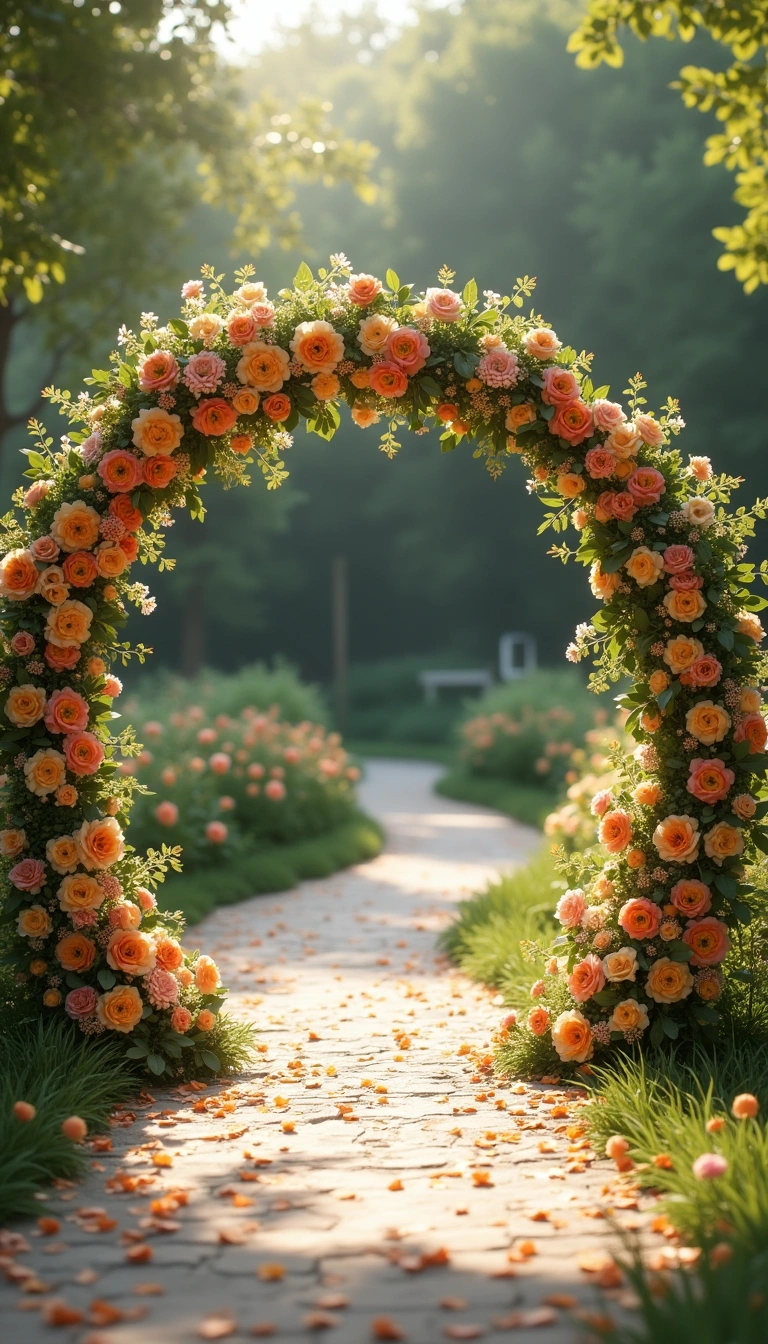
(737, 94)
(113, 120)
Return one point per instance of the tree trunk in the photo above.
(193, 630)
(7, 324)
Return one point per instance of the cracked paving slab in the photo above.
(369, 1160)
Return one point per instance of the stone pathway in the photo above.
(369, 1178)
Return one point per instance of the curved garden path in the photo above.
(369, 1168)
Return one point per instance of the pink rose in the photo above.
(90, 448)
(241, 328)
(145, 898)
(263, 313)
(192, 289)
(572, 422)
(706, 671)
(120, 471)
(443, 305)
(608, 415)
(624, 506)
(708, 937)
(275, 789)
(181, 1020)
(600, 462)
(499, 368)
(204, 372)
(560, 386)
(709, 780)
(687, 582)
(601, 802)
(677, 559)
(162, 988)
(646, 486)
(570, 908)
(216, 832)
(36, 492)
(586, 978)
(45, 549)
(408, 348)
(709, 1167)
(28, 875)
(650, 430)
(167, 813)
(158, 372)
(66, 711)
(81, 1002)
(22, 642)
(125, 915)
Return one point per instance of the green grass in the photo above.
(523, 802)
(403, 751)
(485, 939)
(271, 868)
(61, 1073)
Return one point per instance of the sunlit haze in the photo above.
(256, 23)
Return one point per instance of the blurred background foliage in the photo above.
(497, 155)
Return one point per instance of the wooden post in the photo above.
(340, 624)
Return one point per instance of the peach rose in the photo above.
(205, 1020)
(246, 401)
(707, 722)
(44, 771)
(516, 417)
(677, 839)
(572, 1037)
(687, 605)
(13, 840)
(36, 494)
(263, 366)
(640, 918)
(644, 566)
(570, 484)
(408, 349)
(66, 795)
(120, 1009)
(364, 416)
(69, 625)
(214, 417)
(325, 386)
(100, 842)
(83, 752)
(207, 976)
(706, 671)
(374, 332)
(124, 915)
(624, 506)
(120, 471)
(668, 981)
(658, 682)
(723, 842)
(28, 875)
(615, 831)
(205, 327)
(600, 462)
(361, 378)
(537, 1020)
(131, 952)
(541, 343)
(752, 729)
(650, 430)
(66, 711)
(744, 805)
(253, 291)
(586, 978)
(363, 289)
(443, 304)
(157, 431)
(560, 388)
(602, 585)
(750, 626)
(25, 705)
(277, 407)
(241, 328)
(629, 1015)
(80, 892)
(624, 441)
(181, 1020)
(620, 966)
(34, 922)
(699, 512)
(121, 507)
(678, 559)
(648, 793)
(572, 422)
(607, 415)
(61, 853)
(111, 559)
(51, 585)
(263, 314)
(75, 952)
(570, 908)
(681, 652)
(18, 575)
(22, 643)
(646, 485)
(709, 780)
(169, 953)
(80, 569)
(708, 939)
(317, 346)
(388, 380)
(158, 372)
(604, 506)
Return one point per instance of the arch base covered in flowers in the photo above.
(649, 927)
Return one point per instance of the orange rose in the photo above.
(75, 526)
(277, 407)
(707, 722)
(677, 839)
(131, 952)
(723, 842)
(18, 575)
(214, 417)
(602, 585)
(360, 378)
(241, 444)
(158, 472)
(570, 484)
(121, 507)
(364, 416)
(25, 705)
(120, 1009)
(691, 897)
(648, 794)
(44, 772)
(69, 625)
(640, 918)
(80, 892)
(34, 922)
(363, 289)
(615, 831)
(644, 566)
(75, 952)
(658, 682)
(100, 842)
(61, 853)
(246, 401)
(80, 569)
(325, 386)
(156, 431)
(668, 981)
(387, 379)
(207, 976)
(687, 605)
(538, 1020)
(263, 366)
(681, 652)
(629, 1015)
(169, 954)
(13, 841)
(752, 729)
(586, 978)
(111, 558)
(572, 1037)
(317, 346)
(709, 941)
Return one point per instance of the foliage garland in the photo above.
(658, 901)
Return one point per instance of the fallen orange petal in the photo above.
(383, 1327)
(216, 1327)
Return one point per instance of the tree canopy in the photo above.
(736, 91)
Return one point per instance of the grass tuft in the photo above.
(522, 802)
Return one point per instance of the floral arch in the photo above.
(660, 898)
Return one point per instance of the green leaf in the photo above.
(210, 1060)
(469, 294)
(178, 327)
(303, 277)
(393, 280)
(670, 1028)
(465, 363)
(677, 950)
(139, 1050)
(156, 1064)
(106, 978)
(657, 1032)
(725, 638)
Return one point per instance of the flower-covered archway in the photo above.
(648, 928)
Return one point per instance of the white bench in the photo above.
(474, 679)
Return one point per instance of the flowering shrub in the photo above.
(650, 919)
(592, 769)
(219, 783)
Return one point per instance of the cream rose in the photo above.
(699, 512)
(156, 432)
(629, 1015)
(25, 705)
(621, 965)
(644, 566)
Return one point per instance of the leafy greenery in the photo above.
(523, 802)
(737, 95)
